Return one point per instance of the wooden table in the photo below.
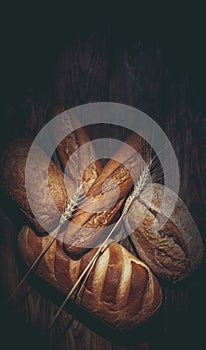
(94, 66)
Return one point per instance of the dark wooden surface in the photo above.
(163, 79)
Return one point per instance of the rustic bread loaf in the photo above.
(48, 208)
(106, 196)
(170, 244)
(121, 290)
(84, 165)
(40, 179)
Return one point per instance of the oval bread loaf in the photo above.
(40, 180)
(106, 196)
(48, 189)
(121, 290)
(170, 244)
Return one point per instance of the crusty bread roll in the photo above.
(83, 164)
(170, 244)
(121, 290)
(40, 179)
(106, 196)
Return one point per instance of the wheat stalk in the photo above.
(72, 206)
(54, 233)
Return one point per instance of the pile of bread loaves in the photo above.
(121, 289)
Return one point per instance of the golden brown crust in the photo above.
(172, 251)
(106, 196)
(83, 164)
(12, 170)
(121, 290)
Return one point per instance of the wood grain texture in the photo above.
(91, 68)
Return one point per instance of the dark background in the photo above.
(147, 57)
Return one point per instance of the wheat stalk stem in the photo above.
(71, 207)
(55, 233)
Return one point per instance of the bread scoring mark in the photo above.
(150, 302)
(113, 276)
(123, 290)
(100, 270)
(138, 286)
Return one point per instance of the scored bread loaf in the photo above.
(106, 196)
(120, 290)
(76, 147)
(169, 243)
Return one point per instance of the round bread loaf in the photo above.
(170, 244)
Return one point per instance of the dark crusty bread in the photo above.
(121, 290)
(106, 196)
(172, 251)
(84, 164)
(12, 181)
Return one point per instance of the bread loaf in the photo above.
(48, 207)
(84, 165)
(106, 196)
(170, 245)
(40, 180)
(121, 290)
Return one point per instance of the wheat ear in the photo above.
(140, 183)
